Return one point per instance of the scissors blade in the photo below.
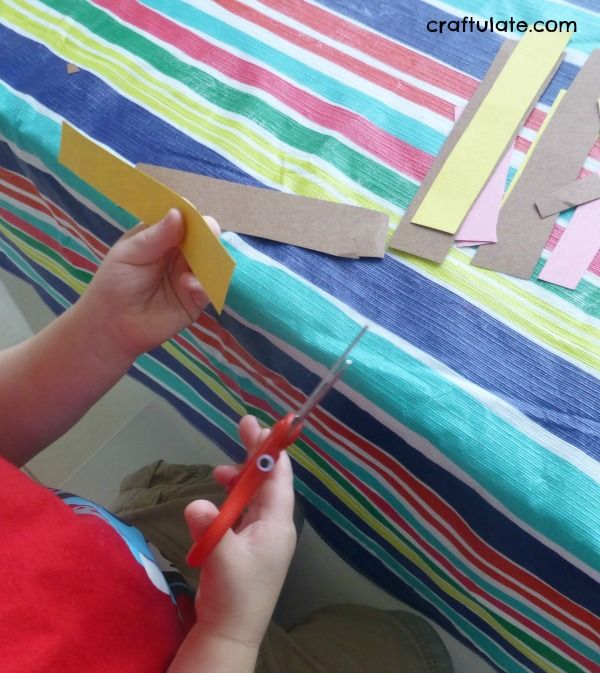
(328, 381)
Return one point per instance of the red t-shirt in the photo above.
(80, 590)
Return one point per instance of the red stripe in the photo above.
(381, 144)
(461, 536)
(381, 78)
(69, 255)
(93, 243)
(379, 47)
(376, 499)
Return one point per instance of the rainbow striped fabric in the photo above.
(457, 464)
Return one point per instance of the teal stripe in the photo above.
(381, 115)
(406, 394)
(482, 642)
(40, 135)
(588, 24)
(169, 380)
(373, 176)
(250, 388)
(64, 239)
(21, 263)
(521, 605)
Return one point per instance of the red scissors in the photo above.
(257, 468)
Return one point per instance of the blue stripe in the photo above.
(49, 187)
(381, 115)
(492, 526)
(139, 136)
(457, 497)
(400, 586)
(471, 53)
(469, 341)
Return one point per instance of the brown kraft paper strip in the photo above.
(574, 194)
(422, 241)
(332, 228)
(433, 244)
(559, 156)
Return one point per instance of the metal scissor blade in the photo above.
(328, 381)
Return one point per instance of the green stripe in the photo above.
(40, 136)
(76, 278)
(473, 633)
(386, 376)
(584, 297)
(55, 232)
(22, 263)
(173, 103)
(416, 523)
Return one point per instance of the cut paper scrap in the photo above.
(557, 160)
(491, 132)
(72, 69)
(575, 249)
(480, 225)
(149, 200)
(430, 243)
(332, 228)
(555, 103)
(574, 194)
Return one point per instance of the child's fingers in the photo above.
(192, 295)
(251, 434)
(274, 500)
(252, 437)
(199, 514)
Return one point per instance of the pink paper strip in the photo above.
(575, 249)
(479, 226)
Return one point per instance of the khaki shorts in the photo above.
(335, 639)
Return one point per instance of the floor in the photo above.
(130, 427)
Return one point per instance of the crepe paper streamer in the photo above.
(574, 194)
(332, 228)
(540, 133)
(430, 243)
(576, 248)
(491, 132)
(559, 156)
(149, 200)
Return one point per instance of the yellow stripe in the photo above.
(44, 260)
(409, 553)
(505, 299)
(174, 104)
(219, 390)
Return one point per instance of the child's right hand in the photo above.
(241, 580)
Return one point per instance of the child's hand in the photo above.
(144, 292)
(241, 580)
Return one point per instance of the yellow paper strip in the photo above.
(149, 200)
(540, 133)
(485, 141)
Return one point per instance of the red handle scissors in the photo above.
(258, 468)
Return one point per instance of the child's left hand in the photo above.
(144, 291)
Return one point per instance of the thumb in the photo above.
(151, 243)
(199, 514)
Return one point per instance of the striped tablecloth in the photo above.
(457, 463)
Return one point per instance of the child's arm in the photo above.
(142, 294)
(241, 580)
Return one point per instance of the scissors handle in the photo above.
(255, 471)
